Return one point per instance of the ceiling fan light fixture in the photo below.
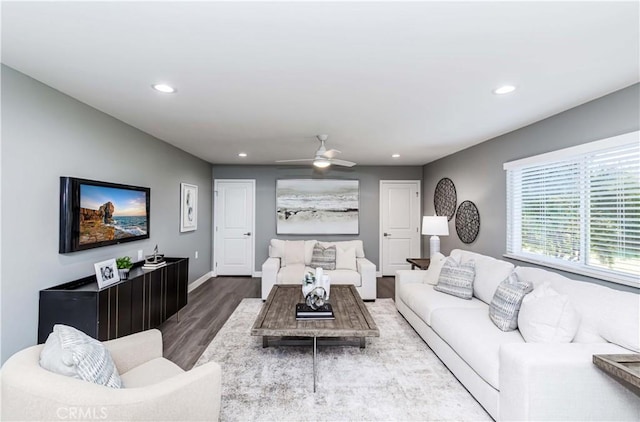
(321, 163)
(505, 89)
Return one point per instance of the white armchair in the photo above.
(155, 389)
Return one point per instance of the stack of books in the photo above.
(154, 265)
(305, 313)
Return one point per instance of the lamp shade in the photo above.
(435, 225)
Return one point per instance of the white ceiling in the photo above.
(380, 78)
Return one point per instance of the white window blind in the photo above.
(578, 209)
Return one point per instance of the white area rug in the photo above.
(396, 377)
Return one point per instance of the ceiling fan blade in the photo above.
(331, 153)
(343, 163)
(298, 160)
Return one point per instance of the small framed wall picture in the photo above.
(106, 273)
(188, 207)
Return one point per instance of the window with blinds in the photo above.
(578, 209)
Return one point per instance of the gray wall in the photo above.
(266, 177)
(478, 175)
(45, 135)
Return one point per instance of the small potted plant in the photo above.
(124, 265)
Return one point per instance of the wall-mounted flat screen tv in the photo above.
(95, 214)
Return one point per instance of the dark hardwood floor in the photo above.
(209, 307)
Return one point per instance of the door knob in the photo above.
(247, 234)
(386, 234)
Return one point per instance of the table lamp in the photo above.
(435, 226)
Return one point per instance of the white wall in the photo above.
(45, 135)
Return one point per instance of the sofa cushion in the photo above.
(293, 252)
(585, 297)
(293, 274)
(422, 299)
(344, 277)
(324, 257)
(474, 338)
(506, 302)
(456, 279)
(489, 272)
(71, 352)
(357, 244)
(151, 372)
(277, 249)
(432, 274)
(548, 317)
(605, 314)
(346, 258)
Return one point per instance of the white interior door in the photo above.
(399, 224)
(233, 224)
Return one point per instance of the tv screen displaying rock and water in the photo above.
(95, 214)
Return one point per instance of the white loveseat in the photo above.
(287, 265)
(516, 380)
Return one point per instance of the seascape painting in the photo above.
(311, 206)
(108, 213)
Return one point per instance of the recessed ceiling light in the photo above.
(395, 156)
(242, 154)
(504, 89)
(167, 89)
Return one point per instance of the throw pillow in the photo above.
(456, 279)
(294, 252)
(71, 352)
(346, 258)
(506, 302)
(546, 316)
(433, 272)
(324, 258)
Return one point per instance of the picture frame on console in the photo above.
(188, 207)
(106, 273)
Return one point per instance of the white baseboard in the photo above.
(378, 273)
(257, 274)
(198, 282)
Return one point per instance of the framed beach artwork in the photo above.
(188, 207)
(106, 273)
(317, 206)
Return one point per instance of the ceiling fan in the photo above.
(324, 157)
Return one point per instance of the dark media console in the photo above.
(143, 301)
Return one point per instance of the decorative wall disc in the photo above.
(445, 198)
(467, 222)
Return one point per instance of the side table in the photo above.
(623, 368)
(421, 263)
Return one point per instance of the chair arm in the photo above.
(560, 382)
(369, 283)
(135, 349)
(406, 277)
(193, 395)
(270, 269)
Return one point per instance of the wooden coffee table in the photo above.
(278, 318)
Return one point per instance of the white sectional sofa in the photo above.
(289, 260)
(518, 380)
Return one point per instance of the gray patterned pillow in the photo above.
(506, 302)
(324, 258)
(457, 279)
(71, 352)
